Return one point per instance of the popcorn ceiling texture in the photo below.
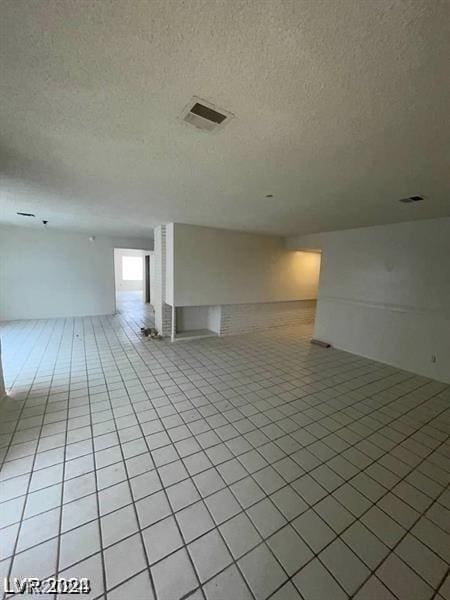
(340, 109)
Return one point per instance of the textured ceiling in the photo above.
(341, 108)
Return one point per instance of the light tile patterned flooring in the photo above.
(133, 308)
(232, 468)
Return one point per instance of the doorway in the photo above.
(309, 265)
(132, 284)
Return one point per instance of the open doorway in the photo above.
(132, 283)
(309, 266)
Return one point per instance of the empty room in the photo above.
(225, 299)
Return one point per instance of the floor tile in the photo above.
(345, 566)
(78, 544)
(240, 535)
(334, 514)
(269, 479)
(194, 521)
(228, 584)
(209, 555)
(39, 560)
(114, 497)
(92, 569)
(145, 484)
(420, 558)
(247, 492)
(78, 512)
(313, 530)
(266, 517)
(290, 550)
(373, 589)
(262, 572)
(43, 500)
(11, 511)
(46, 477)
(138, 586)
(383, 526)
(111, 475)
(208, 482)
(174, 576)
(433, 537)
(289, 503)
(161, 539)
(315, 583)
(287, 592)
(402, 580)
(9, 537)
(118, 525)
(38, 529)
(78, 487)
(123, 560)
(352, 500)
(182, 494)
(172, 473)
(259, 449)
(152, 509)
(365, 545)
(309, 489)
(222, 505)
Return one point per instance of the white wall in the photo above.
(49, 273)
(123, 285)
(219, 266)
(191, 318)
(153, 290)
(214, 318)
(385, 293)
(169, 258)
(2, 381)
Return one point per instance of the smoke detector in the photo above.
(204, 115)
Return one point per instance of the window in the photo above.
(132, 268)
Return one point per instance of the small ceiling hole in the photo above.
(411, 199)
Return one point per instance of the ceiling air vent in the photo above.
(204, 115)
(411, 199)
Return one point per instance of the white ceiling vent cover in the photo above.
(204, 115)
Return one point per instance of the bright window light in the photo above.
(132, 268)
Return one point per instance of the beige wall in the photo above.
(219, 266)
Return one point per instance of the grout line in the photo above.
(144, 549)
(54, 328)
(164, 384)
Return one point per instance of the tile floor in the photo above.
(131, 306)
(237, 468)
